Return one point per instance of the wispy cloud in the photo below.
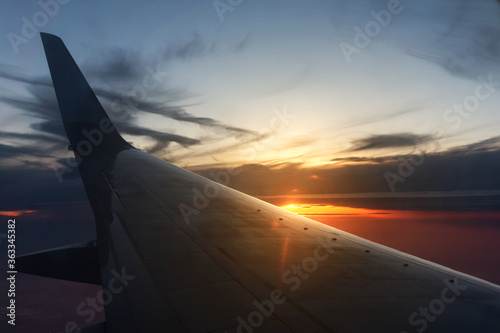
(488, 145)
(17, 74)
(471, 167)
(114, 75)
(32, 137)
(363, 159)
(379, 118)
(196, 46)
(11, 151)
(132, 106)
(470, 45)
(162, 140)
(389, 141)
(461, 36)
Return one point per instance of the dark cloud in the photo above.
(390, 141)
(120, 64)
(17, 74)
(130, 106)
(358, 159)
(31, 106)
(114, 75)
(472, 167)
(162, 139)
(488, 145)
(55, 127)
(115, 64)
(195, 47)
(41, 99)
(461, 36)
(470, 46)
(188, 49)
(8, 151)
(32, 137)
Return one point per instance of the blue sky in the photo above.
(260, 82)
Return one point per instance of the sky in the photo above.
(316, 83)
(299, 97)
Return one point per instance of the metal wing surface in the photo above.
(181, 253)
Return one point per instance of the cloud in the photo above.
(17, 74)
(390, 141)
(125, 65)
(461, 36)
(463, 168)
(163, 140)
(130, 105)
(40, 100)
(53, 127)
(242, 144)
(196, 47)
(484, 146)
(359, 159)
(470, 45)
(114, 75)
(116, 64)
(466, 168)
(32, 137)
(11, 151)
(379, 118)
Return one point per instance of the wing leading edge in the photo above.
(181, 253)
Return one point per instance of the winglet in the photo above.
(87, 125)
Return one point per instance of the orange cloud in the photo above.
(15, 213)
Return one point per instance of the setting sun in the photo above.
(320, 209)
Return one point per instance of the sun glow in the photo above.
(320, 209)
(15, 213)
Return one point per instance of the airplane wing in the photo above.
(181, 253)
